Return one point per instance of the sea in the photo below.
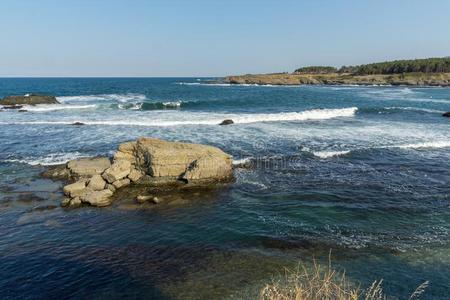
(359, 175)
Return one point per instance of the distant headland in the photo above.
(415, 72)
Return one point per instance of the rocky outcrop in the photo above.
(28, 99)
(407, 79)
(447, 114)
(186, 161)
(149, 162)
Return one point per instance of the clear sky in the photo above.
(213, 37)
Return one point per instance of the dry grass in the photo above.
(324, 283)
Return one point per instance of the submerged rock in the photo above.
(227, 122)
(447, 114)
(29, 99)
(77, 124)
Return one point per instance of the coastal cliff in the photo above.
(415, 72)
(411, 79)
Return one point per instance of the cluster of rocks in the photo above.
(145, 162)
(98, 179)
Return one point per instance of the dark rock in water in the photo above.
(227, 122)
(11, 106)
(23, 110)
(447, 114)
(78, 124)
(29, 99)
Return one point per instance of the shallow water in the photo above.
(363, 171)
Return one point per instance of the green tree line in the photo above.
(427, 65)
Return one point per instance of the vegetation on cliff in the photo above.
(422, 72)
(428, 65)
(316, 70)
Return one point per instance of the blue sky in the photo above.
(212, 37)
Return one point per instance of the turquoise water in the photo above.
(364, 171)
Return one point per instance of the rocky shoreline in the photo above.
(404, 79)
(145, 168)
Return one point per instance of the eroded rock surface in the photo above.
(147, 162)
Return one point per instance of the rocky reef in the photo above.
(28, 99)
(147, 164)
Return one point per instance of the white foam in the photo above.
(417, 109)
(52, 107)
(422, 145)
(103, 97)
(134, 106)
(328, 154)
(315, 114)
(49, 159)
(208, 119)
(172, 103)
(437, 144)
(242, 161)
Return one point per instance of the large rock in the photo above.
(159, 158)
(118, 170)
(207, 167)
(447, 114)
(98, 198)
(29, 99)
(86, 167)
(75, 189)
(96, 183)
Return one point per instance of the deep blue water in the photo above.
(364, 171)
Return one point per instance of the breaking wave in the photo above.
(103, 97)
(315, 114)
(328, 154)
(52, 107)
(423, 145)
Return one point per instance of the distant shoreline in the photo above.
(286, 79)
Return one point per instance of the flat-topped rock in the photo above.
(29, 99)
(159, 158)
(86, 167)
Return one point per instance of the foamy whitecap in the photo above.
(422, 145)
(208, 119)
(52, 107)
(103, 97)
(49, 159)
(328, 154)
(437, 144)
(415, 109)
(174, 104)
